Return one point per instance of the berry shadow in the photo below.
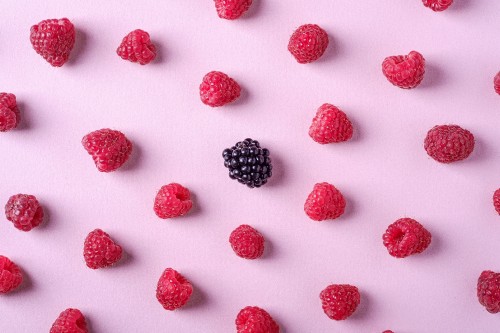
(81, 41)
(481, 152)
(243, 99)
(47, 217)
(254, 10)
(196, 209)
(160, 53)
(134, 160)
(25, 123)
(433, 76)
(279, 174)
(350, 207)
(460, 5)
(332, 51)
(269, 249)
(127, 259)
(198, 298)
(434, 248)
(364, 306)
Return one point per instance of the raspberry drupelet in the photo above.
(247, 242)
(53, 39)
(330, 125)
(406, 237)
(449, 143)
(438, 5)
(137, 47)
(173, 290)
(172, 200)
(109, 149)
(339, 301)
(253, 319)
(9, 112)
(496, 200)
(70, 321)
(24, 211)
(100, 251)
(325, 202)
(496, 83)
(11, 276)
(308, 43)
(488, 291)
(218, 89)
(404, 71)
(232, 9)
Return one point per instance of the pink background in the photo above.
(384, 171)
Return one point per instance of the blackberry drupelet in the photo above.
(248, 163)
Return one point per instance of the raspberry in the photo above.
(218, 89)
(137, 47)
(488, 291)
(308, 43)
(172, 200)
(248, 163)
(247, 242)
(232, 9)
(325, 202)
(404, 71)
(339, 301)
(388, 331)
(10, 275)
(173, 290)
(253, 319)
(100, 251)
(70, 321)
(24, 211)
(449, 143)
(330, 125)
(496, 83)
(406, 237)
(109, 149)
(437, 5)
(53, 40)
(496, 200)
(9, 113)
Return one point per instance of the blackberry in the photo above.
(248, 163)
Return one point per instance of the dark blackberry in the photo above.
(248, 163)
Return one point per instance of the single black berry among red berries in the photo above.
(248, 163)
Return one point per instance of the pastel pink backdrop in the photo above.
(383, 172)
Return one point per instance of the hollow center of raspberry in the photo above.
(181, 196)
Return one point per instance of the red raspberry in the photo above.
(330, 125)
(449, 143)
(308, 43)
(218, 89)
(496, 200)
(172, 200)
(247, 242)
(232, 9)
(9, 113)
(100, 251)
(388, 331)
(173, 290)
(10, 275)
(339, 301)
(137, 47)
(24, 211)
(109, 149)
(70, 321)
(488, 291)
(496, 83)
(253, 319)
(437, 5)
(325, 202)
(53, 40)
(406, 237)
(404, 71)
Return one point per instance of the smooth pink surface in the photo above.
(384, 171)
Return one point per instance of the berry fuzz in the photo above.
(253, 319)
(109, 149)
(496, 83)
(218, 89)
(437, 5)
(248, 163)
(232, 9)
(308, 43)
(488, 291)
(325, 202)
(339, 301)
(53, 39)
(24, 211)
(70, 321)
(137, 47)
(173, 290)
(449, 143)
(10, 275)
(172, 200)
(404, 71)
(100, 251)
(496, 200)
(247, 242)
(330, 125)
(406, 237)
(9, 113)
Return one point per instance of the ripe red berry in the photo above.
(449, 143)
(247, 242)
(100, 251)
(109, 149)
(437, 5)
(388, 331)
(10, 275)
(173, 290)
(232, 9)
(24, 211)
(9, 113)
(70, 321)
(488, 291)
(137, 47)
(308, 43)
(496, 83)
(53, 39)
(172, 200)
(330, 125)
(253, 319)
(325, 202)
(404, 71)
(496, 200)
(339, 301)
(218, 89)
(406, 237)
